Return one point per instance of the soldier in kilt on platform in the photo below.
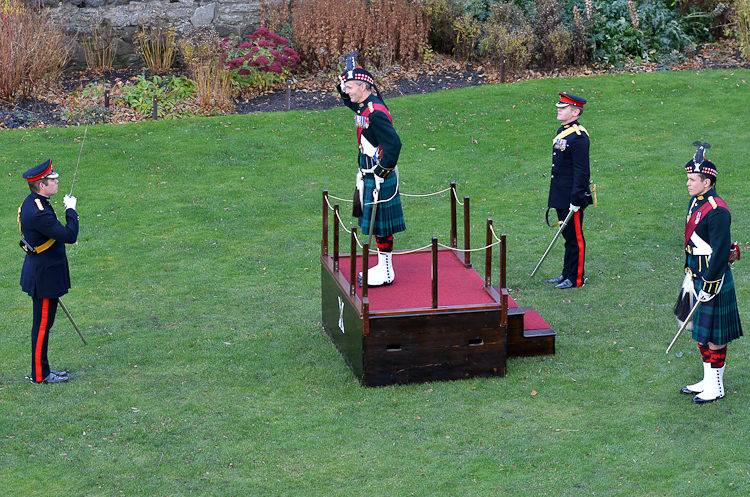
(708, 247)
(379, 149)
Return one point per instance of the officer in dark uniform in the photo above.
(379, 149)
(708, 247)
(569, 187)
(45, 276)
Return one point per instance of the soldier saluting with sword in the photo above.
(45, 275)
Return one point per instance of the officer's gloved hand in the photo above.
(378, 181)
(574, 208)
(70, 202)
(704, 296)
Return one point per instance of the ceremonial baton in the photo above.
(75, 174)
(71, 321)
(684, 324)
(562, 227)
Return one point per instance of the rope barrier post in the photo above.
(488, 255)
(434, 272)
(155, 109)
(467, 233)
(288, 95)
(324, 241)
(454, 226)
(353, 262)
(365, 263)
(503, 245)
(336, 238)
(106, 99)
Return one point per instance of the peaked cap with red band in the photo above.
(41, 171)
(566, 100)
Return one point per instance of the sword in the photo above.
(375, 195)
(562, 227)
(684, 324)
(75, 174)
(71, 321)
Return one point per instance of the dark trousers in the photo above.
(575, 246)
(44, 318)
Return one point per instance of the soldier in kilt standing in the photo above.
(379, 149)
(708, 244)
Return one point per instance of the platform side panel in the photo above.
(434, 347)
(337, 310)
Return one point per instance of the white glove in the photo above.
(70, 202)
(378, 181)
(574, 208)
(704, 297)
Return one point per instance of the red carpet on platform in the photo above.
(412, 288)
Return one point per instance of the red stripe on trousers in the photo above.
(40, 341)
(581, 249)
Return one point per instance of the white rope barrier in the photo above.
(341, 222)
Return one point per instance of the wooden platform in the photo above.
(439, 320)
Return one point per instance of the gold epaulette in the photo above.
(370, 106)
(712, 202)
(580, 128)
(39, 204)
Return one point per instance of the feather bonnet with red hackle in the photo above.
(699, 163)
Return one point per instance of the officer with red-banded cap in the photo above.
(569, 187)
(709, 251)
(379, 149)
(45, 276)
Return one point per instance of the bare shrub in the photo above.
(468, 31)
(508, 37)
(578, 45)
(201, 53)
(276, 15)
(156, 45)
(323, 30)
(442, 14)
(741, 19)
(99, 44)
(553, 38)
(33, 49)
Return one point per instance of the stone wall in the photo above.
(230, 18)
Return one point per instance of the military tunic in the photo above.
(569, 184)
(718, 320)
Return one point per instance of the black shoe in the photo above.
(59, 373)
(556, 280)
(53, 378)
(687, 391)
(565, 284)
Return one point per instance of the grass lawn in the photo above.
(196, 281)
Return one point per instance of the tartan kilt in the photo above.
(389, 218)
(718, 320)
